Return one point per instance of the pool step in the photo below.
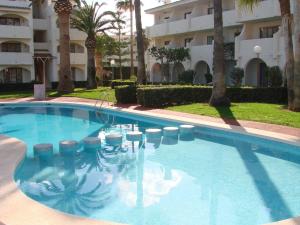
(43, 151)
(68, 147)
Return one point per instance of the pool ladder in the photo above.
(99, 105)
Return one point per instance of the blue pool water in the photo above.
(219, 178)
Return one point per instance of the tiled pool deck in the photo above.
(17, 209)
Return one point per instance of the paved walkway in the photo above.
(241, 123)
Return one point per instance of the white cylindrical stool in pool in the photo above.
(187, 132)
(153, 133)
(92, 143)
(114, 139)
(134, 136)
(171, 132)
(68, 147)
(43, 151)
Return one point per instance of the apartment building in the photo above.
(29, 43)
(190, 23)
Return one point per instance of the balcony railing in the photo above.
(8, 31)
(15, 58)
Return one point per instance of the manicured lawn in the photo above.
(268, 113)
(15, 94)
(104, 93)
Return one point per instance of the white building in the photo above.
(190, 23)
(29, 37)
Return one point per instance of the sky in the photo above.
(147, 20)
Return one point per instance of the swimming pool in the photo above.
(217, 178)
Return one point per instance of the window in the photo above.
(167, 18)
(187, 15)
(237, 33)
(167, 43)
(10, 21)
(11, 75)
(268, 32)
(187, 42)
(210, 40)
(210, 10)
(11, 47)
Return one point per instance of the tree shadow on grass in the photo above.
(227, 115)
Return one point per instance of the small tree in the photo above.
(236, 76)
(274, 77)
(187, 77)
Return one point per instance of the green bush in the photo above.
(148, 96)
(126, 94)
(275, 78)
(115, 83)
(236, 76)
(208, 77)
(187, 77)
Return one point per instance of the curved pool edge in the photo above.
(18, 209)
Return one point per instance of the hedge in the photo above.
(126, 94)
(115, 83)
(176, 95)
(16, 87)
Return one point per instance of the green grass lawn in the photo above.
(15, 94)
(104, 93)
(267, 113)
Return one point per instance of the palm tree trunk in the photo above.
(99, 66)
(131, 40)
(296, 106)
(218, 97)
(90, 44)
(66, 84)
(120, 55)
(140, 43)
(289, 52)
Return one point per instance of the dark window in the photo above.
(210, 40)
(167, 18)
(210, 10)
(237, 34)
(268, 32)
(167, 43)
(11, 47)
(187, 14)
(10, 21)
(11, 75)
(187, 42)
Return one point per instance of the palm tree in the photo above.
(127, 5)
(63, 8)
(218, 97)
(140, 43)
(287, 18)
(87, 18)
(296, 105)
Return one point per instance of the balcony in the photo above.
(41, 46)
(15, 58)
(76, 35)
(265, 9)
(15, 4)
(199, 23)
(22, 32)
(40, 24)
(76, 58)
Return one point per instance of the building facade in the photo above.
(190, 24)
(29, 43)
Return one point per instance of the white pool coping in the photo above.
(18, 209)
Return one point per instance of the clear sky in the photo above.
(147, 19)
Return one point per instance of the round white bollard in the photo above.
(43, 151)
(171, 131)
(153, 133)
(114, 139)
(91, 143)
(68, 147)
(134, 136)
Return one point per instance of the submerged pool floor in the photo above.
(218, 178)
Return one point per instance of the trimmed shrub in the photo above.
(177, 95)
(115, 83)
(208, 77)
(126, 94)
(275, 78)
(187, 77)
(236, 76)
(16, 87)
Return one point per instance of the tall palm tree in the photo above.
(140, 43)
(127, 5)
(63, 8)
(87, 18)
(218, 97)
(296, 106)
(287, 18)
